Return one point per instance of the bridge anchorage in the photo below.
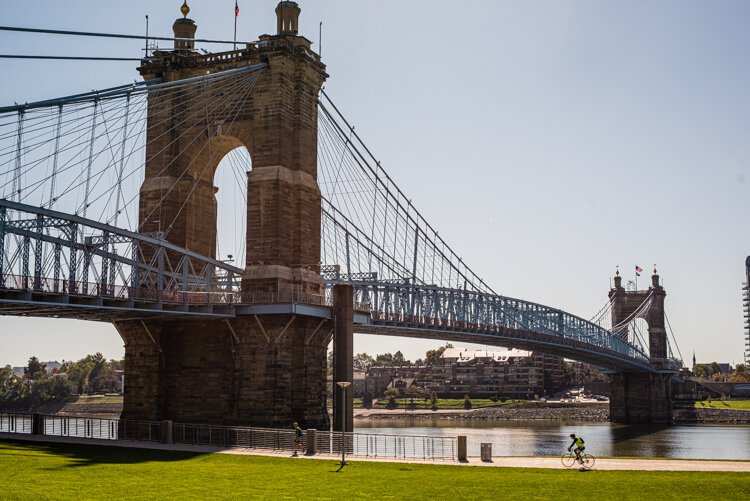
(332, 244)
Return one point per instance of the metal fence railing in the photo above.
(273, 439)
(389, 446)
(103, 429)
(15, 423)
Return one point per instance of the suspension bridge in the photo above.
(108, 212)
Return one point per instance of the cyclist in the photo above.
(580, 446)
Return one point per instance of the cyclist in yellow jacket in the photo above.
(579, 445)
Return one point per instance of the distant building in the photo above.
(479, 373)
(746, 302)
(48, 366)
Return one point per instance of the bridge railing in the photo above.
(29, 283)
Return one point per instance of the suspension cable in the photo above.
(118, 35)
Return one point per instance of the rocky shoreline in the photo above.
(573, 412)
(530, 411)
(711, 416)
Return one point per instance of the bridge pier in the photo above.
(265, 370)
(640, 397)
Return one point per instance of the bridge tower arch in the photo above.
(258, 370)
(641, 397)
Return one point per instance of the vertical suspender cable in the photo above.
(17, 169)
(91, 159)
(118, 194)
(53, 178)
(374, 206)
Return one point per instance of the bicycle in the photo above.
(586, 461)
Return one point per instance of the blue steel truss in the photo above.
(76, 256)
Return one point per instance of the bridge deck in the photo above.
(48, 305)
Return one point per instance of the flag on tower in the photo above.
(236, 9)
(638, 270)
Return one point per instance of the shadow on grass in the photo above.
(80, 455)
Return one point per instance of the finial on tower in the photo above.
(184, 29)
(618, 278)
(655, 278)
(287, 18)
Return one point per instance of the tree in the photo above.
(362, 362)
(433, 400)
(35, 370)
(413, 391)
(398, 358)
(432, 357)
(384, 359)
(78, 373)
(467, 402)
(701, 371)
(391, 392)
(739, 377)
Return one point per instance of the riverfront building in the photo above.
(746, 303)
(478, 373)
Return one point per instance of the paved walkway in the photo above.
(507, 462)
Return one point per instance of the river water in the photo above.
(546, 438)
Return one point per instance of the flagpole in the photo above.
(236, 9)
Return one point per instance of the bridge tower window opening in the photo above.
(230, 180)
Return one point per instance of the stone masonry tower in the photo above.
(639, 397)
(263, 370)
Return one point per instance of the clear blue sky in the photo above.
(547, 141)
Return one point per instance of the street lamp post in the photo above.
(343, 385)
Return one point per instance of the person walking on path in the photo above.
(298, 434)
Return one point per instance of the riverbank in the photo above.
(583, 412)
(110, 407)
(99, 406)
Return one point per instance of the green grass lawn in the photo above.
(57, 471)
(96, 399)
(725, 404)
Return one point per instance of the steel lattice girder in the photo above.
(427, 304)
(160, 266)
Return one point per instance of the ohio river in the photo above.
(545, 438)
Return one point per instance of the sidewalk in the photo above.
(506, 462)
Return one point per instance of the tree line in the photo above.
(713, 372)
(363, 362)
(91, 374)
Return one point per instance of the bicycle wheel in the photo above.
(568, 460)
(588, 460)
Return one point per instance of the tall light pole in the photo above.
(343, 385)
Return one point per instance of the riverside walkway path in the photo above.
(498, 461)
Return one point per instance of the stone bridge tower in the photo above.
(640, 397)
(262, 370)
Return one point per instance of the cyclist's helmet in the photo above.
(572, 435)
